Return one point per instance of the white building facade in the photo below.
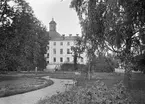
(59, 49)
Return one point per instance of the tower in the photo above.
(52, 25)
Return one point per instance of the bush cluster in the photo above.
(103, 64)
(98, 93)
(70, 67)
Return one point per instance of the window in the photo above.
(47, 62)
(61, 43)
(82, 60)
(47, 47)
(61, 59)
(54, 59)
(68, 51)
(68, 43)
(61, 51)
(54, 43)
(54, 51)
(48, 55)
(68, 60)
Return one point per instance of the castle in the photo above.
(59, 48)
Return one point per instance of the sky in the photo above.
(65, 17)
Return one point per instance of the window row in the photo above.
(61, 51)
(61, 59)
(61, 43)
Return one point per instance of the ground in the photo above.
(137, 84)
(17, 84)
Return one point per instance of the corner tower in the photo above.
(52, 25)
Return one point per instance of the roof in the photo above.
(52, 22)
(54, 34)
(65, 38)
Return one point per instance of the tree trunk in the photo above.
(89, 71)
(127, 75)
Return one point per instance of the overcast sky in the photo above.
(65, 17)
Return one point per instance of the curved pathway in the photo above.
(34, 96)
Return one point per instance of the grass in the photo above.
(108, 78)
(137, 84)
(137, 88)
(12, 85)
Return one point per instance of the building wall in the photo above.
(58, 55)
(57, 45)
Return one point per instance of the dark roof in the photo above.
(52, 21)
(54, 34)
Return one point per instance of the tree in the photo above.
(77, 50)
(20, 33)
(92, 27)
(114, 25)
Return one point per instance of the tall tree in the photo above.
(20, 32)
(113, 24)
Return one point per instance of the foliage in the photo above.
(67, 67)
(22, 37)
(103, 64)
(70, 67)
(139, 63)
(77, 50)
(112, 25)
(97, 93)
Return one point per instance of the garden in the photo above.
(18, 83)
(102, 88)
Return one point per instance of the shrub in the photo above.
(98, 93)
(67, 67)
(70, 67)
(100, 67)
(103, 64)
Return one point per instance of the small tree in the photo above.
(77, 50)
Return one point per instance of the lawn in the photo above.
(12, 85)
(136, 90)
(108, 78)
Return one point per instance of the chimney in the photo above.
(70, 35)
(63, 36)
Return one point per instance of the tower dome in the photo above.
(52, 25)
(52, 30)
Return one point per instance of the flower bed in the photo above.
(96, 93)
(22, 85)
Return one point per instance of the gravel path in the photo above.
(34, 96)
